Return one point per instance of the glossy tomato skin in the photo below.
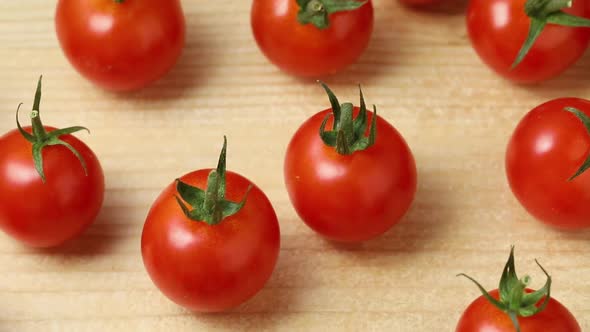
(211, 268)
(304, 50)
(121, 46)
(47, 214)
(349, 198)
(482, 316)
(547, 147)
(498, 28)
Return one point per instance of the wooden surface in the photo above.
(426, 80)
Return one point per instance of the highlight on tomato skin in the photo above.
(323, 45)
(121, 45)
(498, 29)
(547, 148)
(210, 252)
(354, 193)
(51, 183)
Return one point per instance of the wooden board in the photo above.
(422, 74)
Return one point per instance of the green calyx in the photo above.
(41, 138)
(514, 300)
(209, 206)
(543, 12)
(317, 12)
(348, 134)
(586, 121)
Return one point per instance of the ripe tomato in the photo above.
(217, 255)
(306, 49)
(121, 45)
(513, 307)
(51, 198)
(349, 197)
(498, 29)
(481, 316)
(547, 147)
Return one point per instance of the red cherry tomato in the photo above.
(353, 197)
(121, 44)
(514, 307)
(46, 214)
(498, 29)
(481, 315)
(547, 148)
(305, 50)
(207, 267)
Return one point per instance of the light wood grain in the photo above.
(421, 72)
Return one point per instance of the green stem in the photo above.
(38, 129)
(557, 5)
(315, 6)
(342, 145)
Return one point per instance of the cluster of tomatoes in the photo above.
(211, 239)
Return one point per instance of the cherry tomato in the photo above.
(47, 211)
(514, 307)
(546, 149)
(482, 316)
(304, 49)
(121, 45)
(351, 197)
(498, 29)
(210, 265)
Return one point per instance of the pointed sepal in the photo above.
(209, 205)
(348, 133)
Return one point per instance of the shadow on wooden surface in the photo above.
(575, 80)
(453, 7)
